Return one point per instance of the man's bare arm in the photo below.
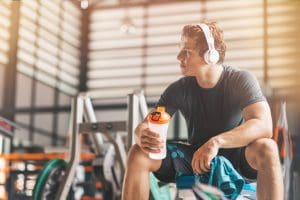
(258, 124)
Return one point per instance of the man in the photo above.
(226, 114)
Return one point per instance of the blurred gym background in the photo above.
(50, 50)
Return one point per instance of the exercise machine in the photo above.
(57, 177)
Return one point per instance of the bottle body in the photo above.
(162, 129)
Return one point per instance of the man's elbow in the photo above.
(268, 129)
(265, 128)
(269, 133)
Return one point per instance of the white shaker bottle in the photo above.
(158, 121)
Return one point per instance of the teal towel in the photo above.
(223, 176)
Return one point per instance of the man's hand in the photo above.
(149, 141)
(204, 155)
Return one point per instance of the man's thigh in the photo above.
(238, 160)
(177, 163)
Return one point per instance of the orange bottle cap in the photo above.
(160, 109)
(159, 116)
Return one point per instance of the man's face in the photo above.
(189, 58)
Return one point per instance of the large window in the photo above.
(283, 47)
(49, 41)
(4, 42)
(48, 61)
(260, 39)
(116, 58)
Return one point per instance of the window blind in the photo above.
(49, 41)
(120, 63)
(283, 47)
(5, 14)
(4, 31)
(260, 39)
(115, 66)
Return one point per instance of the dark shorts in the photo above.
(179, 159)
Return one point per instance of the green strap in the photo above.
(43, 175)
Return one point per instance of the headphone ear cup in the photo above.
(211, 57)
(214, 56)
(206, 57)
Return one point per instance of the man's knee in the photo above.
(139, 159)
(262, 152)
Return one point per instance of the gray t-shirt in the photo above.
(209, 112)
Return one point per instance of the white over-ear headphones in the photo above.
(211, 56)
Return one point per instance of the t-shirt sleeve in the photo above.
(247, 89)
(171, 98)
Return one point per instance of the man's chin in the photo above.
(187, 74)
(183, 72)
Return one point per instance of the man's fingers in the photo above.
(193, 164)
(196, 166)
(151, 134)
(207, 165)
(146, 147)
(149, 145)
(203, 165)
(200, 166)
(156, 142)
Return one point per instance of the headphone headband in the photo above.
(208, 36)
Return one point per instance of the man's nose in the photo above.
(180, 56)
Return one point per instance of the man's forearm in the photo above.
(244, 134)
